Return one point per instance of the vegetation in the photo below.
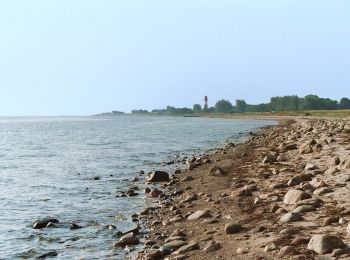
(288, 104)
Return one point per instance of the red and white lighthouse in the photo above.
(205, 103)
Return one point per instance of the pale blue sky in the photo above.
(80, 57)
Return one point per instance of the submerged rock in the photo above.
(39, 224)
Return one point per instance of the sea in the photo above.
(73, 168)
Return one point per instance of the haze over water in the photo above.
(46, 165)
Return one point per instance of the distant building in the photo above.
(205, 103)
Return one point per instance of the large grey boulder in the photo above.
(324, 244)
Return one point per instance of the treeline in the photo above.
(284, 103)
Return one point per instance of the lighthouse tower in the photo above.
(205, 103)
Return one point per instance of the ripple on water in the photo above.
(46, 164)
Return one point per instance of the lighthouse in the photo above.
(205, 103)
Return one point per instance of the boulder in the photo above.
(157, 176)
(324, 244)
(211, 247)
(233, 228)
(304, 208)
(293, 196)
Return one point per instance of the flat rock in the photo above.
(176, 244)
(324, 244)
(291, 217)
(199, 214)
(187, 248)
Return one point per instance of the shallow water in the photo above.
(46, 165)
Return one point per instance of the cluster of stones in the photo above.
(306, 170)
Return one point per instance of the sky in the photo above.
(82, 57)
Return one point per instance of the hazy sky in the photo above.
(80, 57)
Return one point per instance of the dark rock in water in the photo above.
(74, 226)
(134, 231)
(95, 178)
(126, 240)
(141, 172)
(39, 224)
(157, 176)
(49, 254)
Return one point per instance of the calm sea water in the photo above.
(46, 165)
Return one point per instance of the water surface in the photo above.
(46, 166)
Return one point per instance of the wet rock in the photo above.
(95, 178)
(74, 226)
(126, 240)
(287, 251)
(293, 196)
(323, 244)
(291, 217)
(49, 254)
(157, 176)
(187, 248)
(199, 214)
(155, 193)
(233, 228)
(39, 224)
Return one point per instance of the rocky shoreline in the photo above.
(284, 193)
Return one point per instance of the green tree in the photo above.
(223, 106)
(197, 108)
(241, 105)
(344, 103)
